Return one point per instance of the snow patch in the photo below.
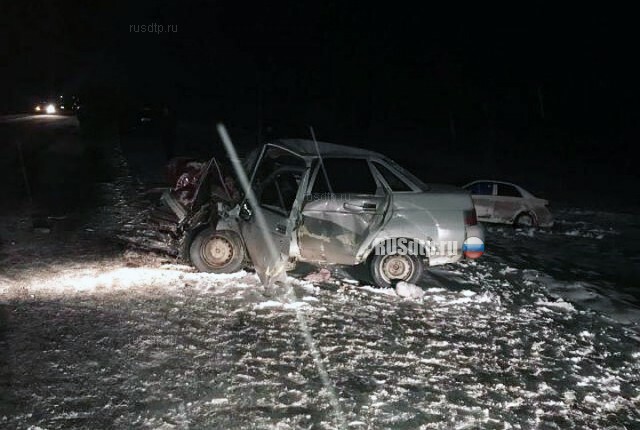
(409, 291)
(560, 305)
(110, 279)
(376, 290)
(297, 305)
(269, 304)
(508, 270)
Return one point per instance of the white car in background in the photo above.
(506, 203)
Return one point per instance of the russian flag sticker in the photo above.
(473, 247)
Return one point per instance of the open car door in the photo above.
(278, 181)
(341, 214)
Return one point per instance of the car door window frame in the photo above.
(373, 162)
(317, 175)
(493, 189)
(497, 188)
(304, 168)
(273, 179)
(258, 163)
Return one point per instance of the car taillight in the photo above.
(470, 217)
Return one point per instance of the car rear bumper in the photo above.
(470, 231)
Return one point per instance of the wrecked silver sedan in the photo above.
(325, 204)
(505, 203)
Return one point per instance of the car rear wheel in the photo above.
(387, 270)
(217, 251)
(524, 220)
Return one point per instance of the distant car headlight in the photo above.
(51, 108)
(38, 108)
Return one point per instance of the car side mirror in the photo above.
(245, 212)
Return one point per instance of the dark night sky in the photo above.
(416, 60)
(357, 71)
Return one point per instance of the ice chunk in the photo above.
(269, 304)
(410, 291)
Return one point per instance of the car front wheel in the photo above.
(388, 270)
(217, 251)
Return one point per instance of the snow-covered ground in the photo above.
(133, 340)
(589, 258)
(541, 332)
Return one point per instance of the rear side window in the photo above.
(482, 189)
(394, 182)
(346, 176)
(508, 191)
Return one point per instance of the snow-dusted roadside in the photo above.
(537, 333)
(93, 336)
(136, 342)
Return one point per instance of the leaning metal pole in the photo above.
(279, 272)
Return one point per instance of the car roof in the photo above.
(307, 148)
(493, 181)
(524, 192)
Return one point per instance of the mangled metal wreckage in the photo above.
(323, 204)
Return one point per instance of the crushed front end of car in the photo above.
(202, 193)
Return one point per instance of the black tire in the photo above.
(524, 220)
(406, 268)
(217, 251)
